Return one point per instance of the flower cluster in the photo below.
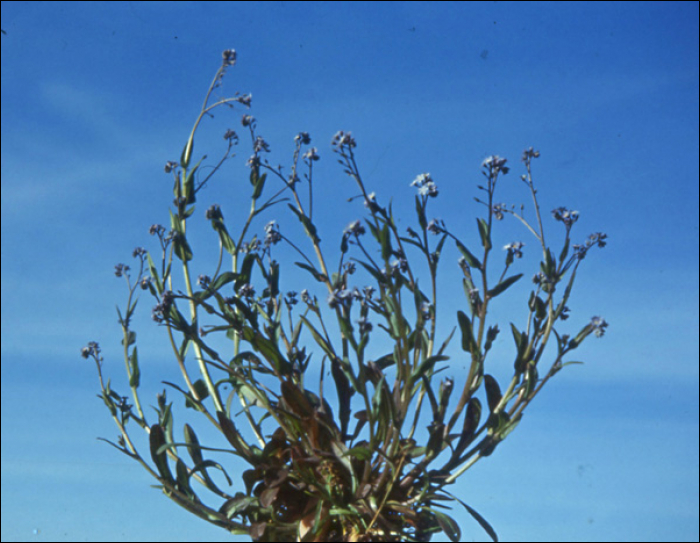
(496, 164)
(343, 140)
(426, 185)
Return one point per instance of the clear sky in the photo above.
(96, 97)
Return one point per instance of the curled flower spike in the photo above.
(231, 136)
(599, 325)
(436, 226)
(92, 349)
(568, 217)
(229, 56)
(529, 154)
(246, 291)
(496, 164)
(121, 269)
(272, 234)
(342, 139)
(355, 228)
(311, 154)
(426, 185)
(338, 297)
(156, 229)
(303, 138)
(515, 248)
(214, 212)
(261, 145)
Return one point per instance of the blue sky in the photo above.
(96, 97)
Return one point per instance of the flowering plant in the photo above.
(361, 473)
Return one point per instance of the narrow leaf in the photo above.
(503, 285)
(484, 233)
(468, 256)
(467, 335)
(157, 440)
(449, 526)
(493, 391)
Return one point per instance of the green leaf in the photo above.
(228, 428)
(374, 272)
(344, 391)
(183, 478)
(135, 378)
(222, 280)
(268, 349)
(484, 233)
(317, 336)
(154, 273)
(189, 185)
(493, 392)
(564, 251)
(377, 397)
(503, 285)
(156, 441)
(202, 391)
(321, 278)
(471, 423)
(187, 152)
(424, 367)
(259, 184)
(468, 256)
(420, 210)
(245, 273)
(226, 241)
(309, 227)
(468, 343)
(481, 520)
(182, 248)
(385, 242)
(274, 279)
(449, 526)
(359, 452)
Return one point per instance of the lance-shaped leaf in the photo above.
(503, 285)
(345, 393)
(374, 272)
(493, 392)
(188, 185)
(565, 298)
(258, 184)
(135, 377)
(228, 428)
(424, 367)
(420, 211)
(154, 273)
(481, 520)
(226, 241)
(449, 526)
(245, 273)
(156, 441)
(471, 423)
(484, 233)
(187, 151)
(564, 251)
(521, 341)
(296, 400)
(468, 343)
(468, 256)
(183, 479)
(321, 278)
(309, 227)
